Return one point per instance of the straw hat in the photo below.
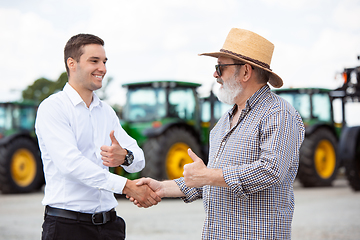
(251, 48)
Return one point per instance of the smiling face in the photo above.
(87, 74)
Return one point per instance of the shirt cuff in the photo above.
(234, 182)
(115, 183)
(191, 194)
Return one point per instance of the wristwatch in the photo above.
(129, 158)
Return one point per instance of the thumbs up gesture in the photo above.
(196, 173)
(114, 155)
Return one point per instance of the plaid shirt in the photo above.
(259, 157)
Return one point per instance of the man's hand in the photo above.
(196, 174)
(143, 194)
(156, 186)
(163, 189)
(114, 155)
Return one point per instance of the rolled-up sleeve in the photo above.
(191, 194)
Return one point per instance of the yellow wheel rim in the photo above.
(23, 167)
(176, 158)
(325, 159)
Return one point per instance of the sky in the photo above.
(161, 39)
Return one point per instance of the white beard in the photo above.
(229, 90)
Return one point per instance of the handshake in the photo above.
(146, 192)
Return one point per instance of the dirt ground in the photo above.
(320, 213)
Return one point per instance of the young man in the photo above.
(80, 137)
(247, 186)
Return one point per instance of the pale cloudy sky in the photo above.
(160, 39)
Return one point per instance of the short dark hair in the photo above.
(263, 75)
(73, 47)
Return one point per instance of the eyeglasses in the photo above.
(218, 67)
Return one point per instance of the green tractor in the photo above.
(21, 169)
(318, 164)
(328, 145)
(166, 118)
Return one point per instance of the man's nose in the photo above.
(216, 75)
(102, 67)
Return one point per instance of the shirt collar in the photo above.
(253, 100)
(76, 99)
(257, 96)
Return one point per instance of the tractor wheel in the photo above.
(318, 165)
(349, 151)
(20, 167)
(167, 154)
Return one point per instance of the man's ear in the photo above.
(248, 72)
(71, 63)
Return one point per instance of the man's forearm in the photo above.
(171, 189)
(216, 178)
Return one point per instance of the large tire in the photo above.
(20, 167)
(318, 165)
(349, 151)
(166, 154)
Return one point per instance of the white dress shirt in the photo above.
(70, 136)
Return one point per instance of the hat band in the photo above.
(265, 65)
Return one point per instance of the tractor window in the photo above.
(145, 104)
(6, 117)
(300, 101)
(219, 110)
(2, 117)
(182, 103)
(26, 118)
(321, 106)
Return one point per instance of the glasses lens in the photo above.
(218, 70)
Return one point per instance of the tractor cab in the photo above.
(166, 118)
(15, 117)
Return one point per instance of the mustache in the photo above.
(219, 80)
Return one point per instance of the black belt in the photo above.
(96, 218)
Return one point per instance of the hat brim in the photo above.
(274, 79)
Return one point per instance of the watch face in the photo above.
(129, 158)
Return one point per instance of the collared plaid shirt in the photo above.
(259, 157)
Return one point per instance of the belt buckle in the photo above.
(104, 219)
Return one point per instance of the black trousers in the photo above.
(58, 228)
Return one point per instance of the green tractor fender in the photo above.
(349, 154)
(155, 132)
(311, 129)
(22, 134)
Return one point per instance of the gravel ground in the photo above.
(320, 214)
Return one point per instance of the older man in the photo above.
(247, 186)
